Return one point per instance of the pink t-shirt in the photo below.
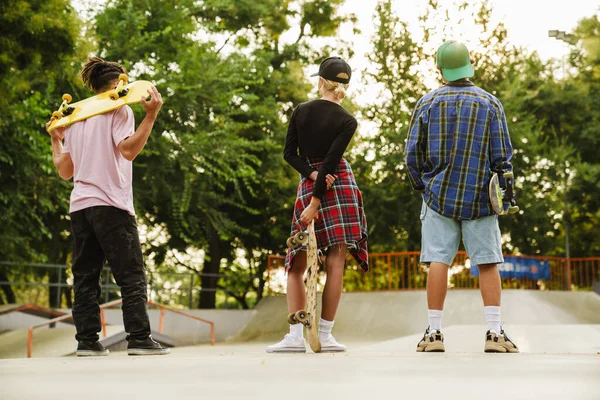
(102, 176)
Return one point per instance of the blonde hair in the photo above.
(338, 89)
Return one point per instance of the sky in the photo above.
(527, 23)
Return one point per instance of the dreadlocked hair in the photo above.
(97, 73)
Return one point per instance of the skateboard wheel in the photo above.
(124, 78)
(291, 319)
(301, 237)
(513, 209)
(302, 317)
(508, 175)
(291, 243)
(67, 97)
(57, 115)
(113, 95)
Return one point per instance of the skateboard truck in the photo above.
(120, 90)
(299, 317)
(64, 109)
(299, 239)
(508, 195)
(502, 193)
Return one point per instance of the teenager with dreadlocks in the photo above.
(98, 153)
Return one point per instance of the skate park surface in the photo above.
(558, 334)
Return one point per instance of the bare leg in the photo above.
(437, 285)
(336, 258)
(296, 292)
(490, 284)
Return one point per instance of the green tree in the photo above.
(217, 145)
(390, 204)
(36, 53)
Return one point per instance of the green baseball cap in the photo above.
(454, 60)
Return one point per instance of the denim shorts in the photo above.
(440, 238)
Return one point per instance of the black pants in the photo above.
(99, 234)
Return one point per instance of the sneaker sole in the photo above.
(91, 353)
(494, 348)
(435, 348)
(148, 352)
(332, 350)
(499, 349)
(298, 350)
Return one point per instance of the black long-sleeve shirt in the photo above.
(319, 129)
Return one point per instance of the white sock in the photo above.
(492, 316)
(325, 329)
(435, 319)
(297, 331)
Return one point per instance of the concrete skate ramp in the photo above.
(381, 316)
(47, 342)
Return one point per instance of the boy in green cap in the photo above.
(457, 136)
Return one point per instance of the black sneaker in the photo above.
(86, 349)
(146, 347)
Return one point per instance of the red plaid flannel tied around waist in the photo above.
(341, 215)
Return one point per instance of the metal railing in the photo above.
(183, 287)
(103, 321)
(403, 271)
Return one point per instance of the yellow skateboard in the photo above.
(308, 317)
(124, 93)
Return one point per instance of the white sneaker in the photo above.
(330, 345)
(289, 344)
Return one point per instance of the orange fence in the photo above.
(116, 303)
(403, 271)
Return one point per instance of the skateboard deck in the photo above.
(311, 290)
(308, 317)
(124, 93)
(502, 199)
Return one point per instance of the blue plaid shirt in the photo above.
(457, 135)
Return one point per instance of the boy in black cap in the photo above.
(318, 134)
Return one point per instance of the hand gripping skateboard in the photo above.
(124, 93)
(308, 317)
(502, 197)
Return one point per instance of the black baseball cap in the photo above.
(335, 69)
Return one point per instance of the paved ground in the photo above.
(558, 362)
(558, 334)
